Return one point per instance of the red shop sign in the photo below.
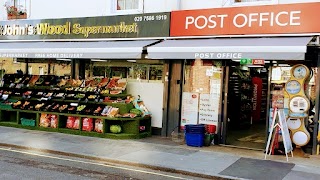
(257, 61)
(268, 19)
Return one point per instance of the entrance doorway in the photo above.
(247, 106)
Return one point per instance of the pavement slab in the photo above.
(258, 169)
(162, 152)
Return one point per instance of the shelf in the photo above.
(80, 115)
(123, 107)
(130, 126)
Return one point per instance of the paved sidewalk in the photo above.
(157, 152)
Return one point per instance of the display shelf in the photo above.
(122, 136)
(130, 126)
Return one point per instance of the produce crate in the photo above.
(5, 106)
(196, 140)
(28, 122)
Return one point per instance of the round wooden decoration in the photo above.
(299, 104)
(300, 138)
(294, 123)
(293, 87)
(300, 71)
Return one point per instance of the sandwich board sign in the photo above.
(279, 121)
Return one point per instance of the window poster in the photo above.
(208, 109)
(189, 110)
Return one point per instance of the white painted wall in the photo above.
(46, 9)
(151, 6)
(203, 4)
(152, 96)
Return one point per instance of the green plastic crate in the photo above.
(28, 122)
(5, 106)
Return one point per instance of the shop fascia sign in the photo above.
(248, 61)
(269, 19)
(125, 26)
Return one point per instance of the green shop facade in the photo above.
(79, 41)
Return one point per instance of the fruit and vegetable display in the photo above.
(27, 93)
(80, 96)
(38, 106)
(98, 125)
(65, 103)
(103, 86)
(81, 107)
(73, 122)
(104, 91)
(87, 124)
(103, 82)
(72, 108)
(48, 94)
(139, 105)
(98, 110)
(33, 80)
(110, 111)
(90, 97)
(59, 95)
(44, 120)
(48, 120)
(55, 107)
(115, 129)
(63, 107)
(16, 104)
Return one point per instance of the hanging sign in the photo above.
(252, 61)
(257, 61)
(245, 61)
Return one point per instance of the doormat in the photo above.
(258, 169)
(256, 138)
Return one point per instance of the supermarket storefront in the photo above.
(108, 46)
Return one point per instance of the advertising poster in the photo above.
(189, 111)
(208, 109)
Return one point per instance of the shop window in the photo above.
(119, 72)
(252, 2)
(100, 71)
(139, 72)
(16, 9)
(155, 72)
(30, 70)
(128, 4)
(41, 71)
(130, 70)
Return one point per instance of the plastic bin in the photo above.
(211, 128)
(28, 122)
(195, 129)
(194, 139)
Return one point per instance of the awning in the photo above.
(280, 48)
(87, 50)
